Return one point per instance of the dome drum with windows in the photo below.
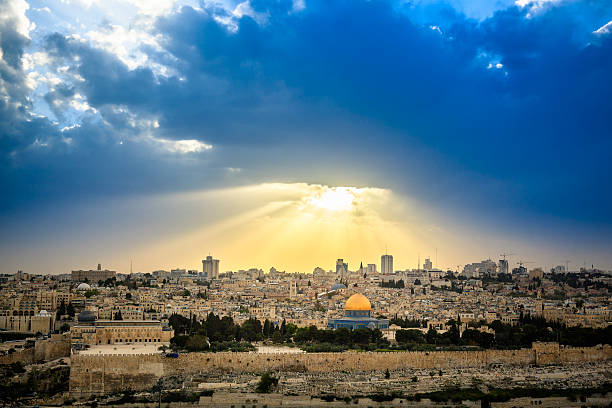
(357, 314)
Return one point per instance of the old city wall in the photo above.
(25, 356)
(57, 346)
(92, 374)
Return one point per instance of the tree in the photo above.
(197, 343)
(387, 374)
(277, 337)
(64, 328)
(61, 311)
(179, 323)
(431, 336)
(91, 293)
(409, 336)
(128, 296)
(266, 383)
(453, 333)
(267, 329)
(251, 330)
(118, 316)
(70, 310)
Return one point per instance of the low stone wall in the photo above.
(92, 374)
(25, 356)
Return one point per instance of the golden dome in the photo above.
(358, 302)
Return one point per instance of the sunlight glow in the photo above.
(333, 199)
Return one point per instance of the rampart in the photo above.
(91, 374)
(57, 346)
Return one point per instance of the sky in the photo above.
(290, 133)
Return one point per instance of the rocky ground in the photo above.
(582, 375)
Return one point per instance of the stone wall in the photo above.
(91, 374)
(25, 356)
(57, 346)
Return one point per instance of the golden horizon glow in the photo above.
(297, 227)
(293, 227)
(333, 198)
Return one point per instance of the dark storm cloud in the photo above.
(346, 84)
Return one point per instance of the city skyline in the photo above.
(289, 226)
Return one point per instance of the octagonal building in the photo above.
(357, 315)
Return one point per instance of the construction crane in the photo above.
(505, 255)
(520, 263)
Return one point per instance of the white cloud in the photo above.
(535, 6)
(184, 146)
(16, 10)
(245, 9)
(127, 43)
(604, 29)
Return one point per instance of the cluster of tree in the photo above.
(536, 328)
(129, 283)
(453, 288)
(556, 295)
(393, 284)
(109, 283)
(91, 292)
(313, 339)
(499, 278)
(266, 383)
(528, 330)
(580, 280)
(217, 330)
(408, 323)
(470, 337)
(64, 310)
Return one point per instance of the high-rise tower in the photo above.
(210, 267)
(386, 264)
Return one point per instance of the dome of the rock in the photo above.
(358, 302)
